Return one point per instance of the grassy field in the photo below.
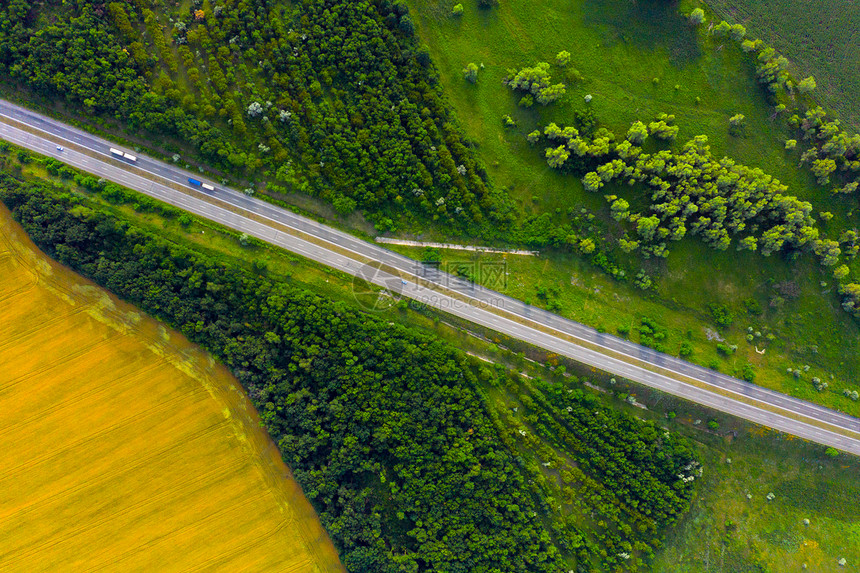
(819, 38)
(733, 527)
(587, 295)
(125, 446)
(636, 60)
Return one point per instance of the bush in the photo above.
(752, 306)
(344, 205)
(806, 85)
(736, 124)
(562, 58)
(457, 10)
(697, 17)
(725, 349)
(470, 72)
(721, 314)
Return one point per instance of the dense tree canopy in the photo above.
(329, 97)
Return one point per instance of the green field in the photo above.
(619, 49)
(819, 38)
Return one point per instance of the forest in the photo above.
(387, 429)
(331, 98)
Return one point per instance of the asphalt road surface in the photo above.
(404, 277)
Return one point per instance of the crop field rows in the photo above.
(125, 446)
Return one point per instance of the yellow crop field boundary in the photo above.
(125, 447)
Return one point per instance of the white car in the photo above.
(59, 148)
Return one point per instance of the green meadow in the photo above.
(637, 60)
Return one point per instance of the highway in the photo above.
(402, 276)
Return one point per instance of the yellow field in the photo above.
(125, 448)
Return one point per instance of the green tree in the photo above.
(620, 209)
(736, 123)
(822, 168)
(592, 181)
(470, 72)
(697, 17)
(556, 157)
(587, 246)
(806, 85)
(647, 227)
(637, 133)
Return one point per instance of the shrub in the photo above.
(721, 314)
(724, 349)
(736, 123)
(470, 72)
(697, 17)
(457, 10)
(806, 85)
(661, 129)
(562, 58)
(637, 133)
(344, 205)
(752, 306)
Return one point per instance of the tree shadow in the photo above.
(648, 24)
